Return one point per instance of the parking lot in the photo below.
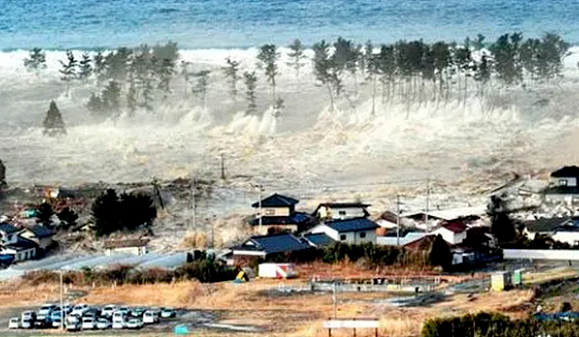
(190, 318)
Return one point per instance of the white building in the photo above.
(453, 233)
(563, 185)
(341, 210)
(8, 234)
(351, 231)
(545, 226)
(135, 246)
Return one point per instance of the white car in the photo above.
(73, 326)
(123, 310)
(167, 313)
(14, 323)
(108, 310)
(103, 324)
(134, 323)
(28, 315)
(118, 323)
(56, 323)
(27, 324)
(80, 309)
(151, 317)
(45, 311)
(88, 323)
(73, 318)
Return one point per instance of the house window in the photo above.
(562, 182)
(342, 213)
(270, 212)
(343, 237)
(362, 235)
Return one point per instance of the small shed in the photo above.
(277, 270)
(130, 246)
(518, 277)
(501, 281)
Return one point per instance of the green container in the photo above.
(518, 277)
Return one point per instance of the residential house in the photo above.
(389, 220)
(545, 226)
(319, 239)
(563, 185)
(341, 211)
(277, 213)
(22, 249)
(403, 238)
(351, 231)
(453, 232)
(8, 234)
(129, 246)
(39, 234)
(267, 247)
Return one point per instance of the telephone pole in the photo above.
(427, 203)
(259, 209)
(61, 301)
(222, 166)
(194, 203)
(398, 220)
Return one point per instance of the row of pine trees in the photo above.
(406, 71)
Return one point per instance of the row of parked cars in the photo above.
(83, 317)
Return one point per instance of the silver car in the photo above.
(14, 323)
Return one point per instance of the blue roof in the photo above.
(295, 218)
(41, 231)
(271, 244)
(352, 225)
(8, 228)
(22, 244)
(319, 239)
(276, 200)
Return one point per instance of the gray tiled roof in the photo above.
(352, 225)
(276, 200)
(271, 244)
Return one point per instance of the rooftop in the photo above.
(295, 218)
(112, 244)
(546, 224)
(455, 226)
(8, 228)
(344, 205)
(276, 200)
(319, 239)
(352, 225)
(271, 244)
(41, 231)
(567, 171)
(404, 240)
(22, 244)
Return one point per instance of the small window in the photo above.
(342, 237)
(342, 212)
(363, 235)
(562, 182)
(270, 212)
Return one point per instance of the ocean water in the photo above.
(202, 24)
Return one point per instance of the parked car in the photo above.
(42, 323)
(46, 310)
(73, 318)
(14, 323)
(134, 323)
(67, 308)
(27, 323)
(167, 312)
(151, 317)
(103, 324)
(73, 325)
(88, 323)
(28, 315)
(118, 323)
(80, 309)
(55, 314)
(138, 312)
(56, 323)
(108, 310)
(124, 310)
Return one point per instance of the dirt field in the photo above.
(241, 308)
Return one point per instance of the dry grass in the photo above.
(16, 295)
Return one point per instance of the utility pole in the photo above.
(334, 300)
(61, 302)
(398, 220)
(260, 210)
(222, 166)
(427, 203)
(194, 203)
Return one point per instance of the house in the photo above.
(404, 237)
(277, 213)
(341, 210)
(319, 239)
(351, 231)
(8, 234)
(268, 246)
(545, 226)
(563, 186)
(389, 220)
(39, 234)
(130, 246)
(453, 232)
(22, 249)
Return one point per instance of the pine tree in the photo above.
(85, 68)
(44, 214)
(69, 71)
(53, 123)
(106, 213)
(297, 56)
(36, 60)
(325, 69)
(201, 85)
(268, 57)
(99, 66)
(132, 98)
(250, 84)
(111, 97)
(95, 104)
(232, 73)
(67, 218)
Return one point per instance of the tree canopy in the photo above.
(53, 123)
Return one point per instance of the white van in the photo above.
(119, 318)
(151, 317)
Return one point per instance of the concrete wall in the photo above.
(541, 254)
(127, 250)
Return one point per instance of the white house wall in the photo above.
(353, 238)
(274, 211)
(565, 181)
(450, 236)
(571, 238)
(347, 213)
